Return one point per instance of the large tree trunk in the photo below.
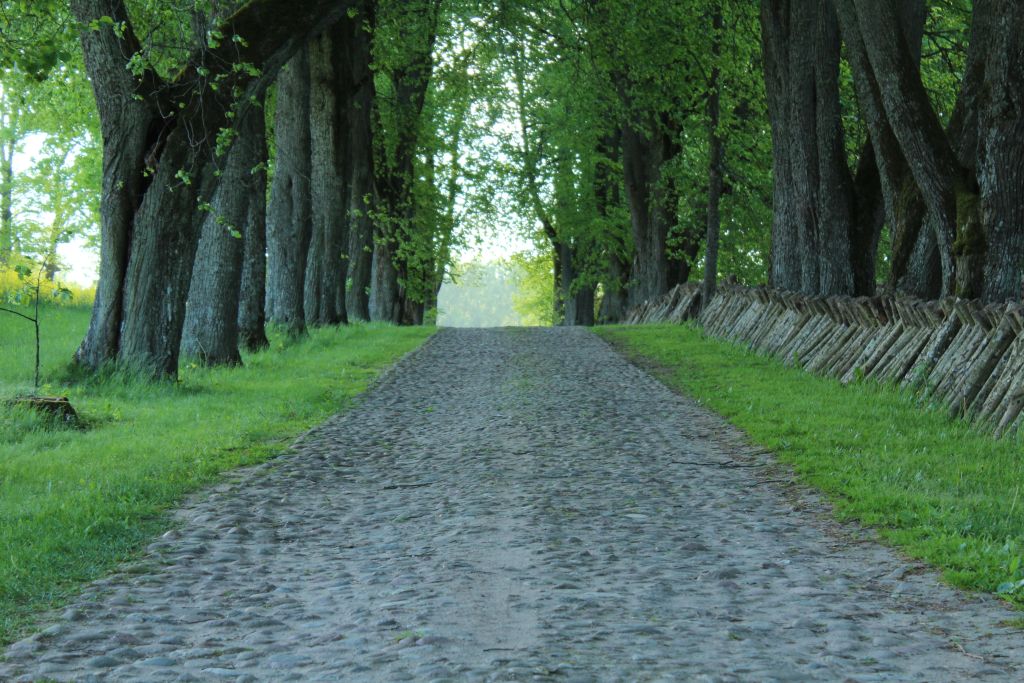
(360, 199)
(577, 296)
(129, 126)
(253, 288)
(926, 148)
(289, 214)
(327, 261)
(644, 153)
(835, 208)
(1001, 171)
(608, 199)
(211, 319)
(159, 230)
(789, 208)
(815, 220)
(914, 255)
(615, 299)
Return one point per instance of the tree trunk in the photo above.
(7, 238)
(1001, 171)
(835, 209)
(395, 170)
(129, 127)
(716, 162)
(608, 202)
(787, 211)
(327, 258)
(916, 126)
(289, 212)
(211, 319)
(385, 303)
(360, 199)
(253, 289)
(615, 299)
(159, 229)
(914, 269)
(815, 220)
(643, 155)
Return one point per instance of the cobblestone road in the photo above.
(515, 505)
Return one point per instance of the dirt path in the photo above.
(519, 505)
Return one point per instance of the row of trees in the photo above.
(289, 162)
(826, 147)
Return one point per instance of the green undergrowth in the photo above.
(74, 503)
(934, 488)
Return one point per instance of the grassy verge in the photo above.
(74, 503)
(932, 487)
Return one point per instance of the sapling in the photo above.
(28, 288)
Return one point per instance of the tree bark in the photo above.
(385, 301)
(835, 215)
(716, 162)
(643, 154)
(130, 126)
(253, 288)
(158, 231)
(915, 270)
(330, 76)
(289, 214)
(361, 189)
(817, 219)
(926, 148)
(789, 208)
(576, 294)
(211, 320)
(608, 199)
(1001, 171)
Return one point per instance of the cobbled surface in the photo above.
(513, 505)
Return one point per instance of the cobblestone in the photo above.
(519, 505)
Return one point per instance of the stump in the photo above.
(58, 408)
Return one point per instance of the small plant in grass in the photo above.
(29, 294)
(30, 277)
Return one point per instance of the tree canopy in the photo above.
(326, 161)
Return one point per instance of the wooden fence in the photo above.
(959, 353)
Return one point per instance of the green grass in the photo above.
(934, 488)
(74, 503)
(61, 329)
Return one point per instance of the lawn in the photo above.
(936, 489)
(74, 503)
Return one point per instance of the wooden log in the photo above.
(955, 364)
(845, 359)
(980, 367)
(837, 346)
(998, 396)
(901, 364)
(892, 355)
(1008, 422)
(877, 346)
(57, 408)
(994, 387)
(919, 374)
